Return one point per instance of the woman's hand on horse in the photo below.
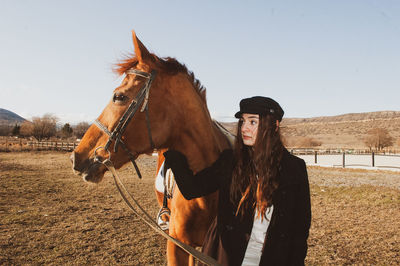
(176, 161)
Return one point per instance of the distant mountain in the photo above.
(10, 118)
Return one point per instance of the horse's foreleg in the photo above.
(176, 256)
(191, 260)
(160, 197)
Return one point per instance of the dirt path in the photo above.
(50, 216)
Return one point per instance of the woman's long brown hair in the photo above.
(255, 176)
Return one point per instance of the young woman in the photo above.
(264, 211)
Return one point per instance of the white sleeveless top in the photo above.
(257, 237)
(159, 183)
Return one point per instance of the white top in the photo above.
(257, 237)
(160, 179)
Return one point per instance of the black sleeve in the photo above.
(205, 181)
(303, 212)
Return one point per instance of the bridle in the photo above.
(141, 99)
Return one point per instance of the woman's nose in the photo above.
(245, 128)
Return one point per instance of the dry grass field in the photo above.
(50, 216)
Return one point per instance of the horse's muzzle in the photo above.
(90, 170)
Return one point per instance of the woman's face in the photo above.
(249, 128)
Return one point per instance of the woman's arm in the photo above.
(204, 182)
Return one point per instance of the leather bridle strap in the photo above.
(141, 99)
(131, 157)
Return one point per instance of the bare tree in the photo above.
(378, 139)
(80, 129)
(41, 127)
(26, 129)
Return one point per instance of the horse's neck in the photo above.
(201, 143)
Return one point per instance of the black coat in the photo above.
(228, 236)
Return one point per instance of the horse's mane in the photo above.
(167, 64)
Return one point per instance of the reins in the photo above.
(116, 135)
(146, 218)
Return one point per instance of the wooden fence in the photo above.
(334, 157)
(310, 151)
(8, 144)
(345, 159)
(52, 145)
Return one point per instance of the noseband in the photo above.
(141, 99)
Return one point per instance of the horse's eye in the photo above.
(119, 98)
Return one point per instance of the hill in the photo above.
(10, 118)
(342, 131)
(359, 117)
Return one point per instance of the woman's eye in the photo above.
(119, 98)
(253, 122)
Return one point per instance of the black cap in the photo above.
(260, 105)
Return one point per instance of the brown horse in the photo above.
(179, 119)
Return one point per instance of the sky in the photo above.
(315, 57)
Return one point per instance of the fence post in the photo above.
(344, 159)
(6, 144)
(373, 159)
(315, 157)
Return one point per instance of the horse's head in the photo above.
(143, 113)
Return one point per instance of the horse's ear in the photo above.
(141, 51)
